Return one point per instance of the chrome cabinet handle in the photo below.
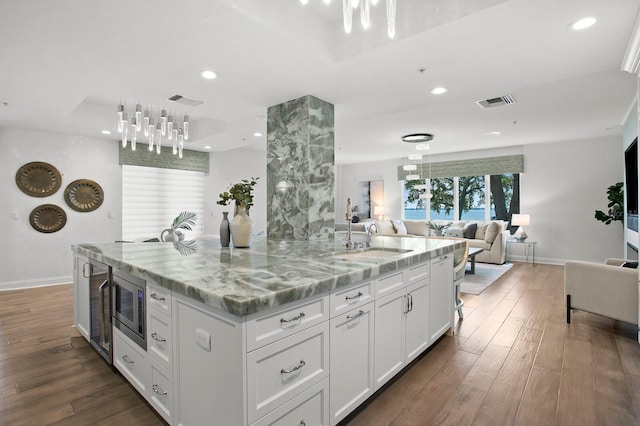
(155, 389)
(154, 336)
(357, 296)
(296, 318)
(359, 314)
(296, 368)
(154, 297)
(125, 358)
(302, 423)
(410, 302)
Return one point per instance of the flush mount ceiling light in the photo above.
(348, 7)
(141, 125)
(417, 138)
(583, 23)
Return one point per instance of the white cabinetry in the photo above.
(440, 311)
(81, 296)
(401, 320)
(352, 339)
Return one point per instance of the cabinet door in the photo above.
(81, 298)
(441, 296)
(389, 336)
(351, 360)
(417, 320)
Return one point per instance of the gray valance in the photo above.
(191, 160)
(476, 167)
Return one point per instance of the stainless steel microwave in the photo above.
(129, 313)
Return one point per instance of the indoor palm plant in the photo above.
(185, 220)
(437, 227)
(240, 226)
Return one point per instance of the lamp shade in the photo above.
(378, 211)
(520, 220)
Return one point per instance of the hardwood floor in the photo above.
(512, 360)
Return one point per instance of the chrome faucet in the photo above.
(369, 232)
(349, 243)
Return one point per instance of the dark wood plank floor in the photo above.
(513, 360)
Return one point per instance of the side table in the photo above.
(529, 246)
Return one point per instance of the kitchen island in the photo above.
(283, 330)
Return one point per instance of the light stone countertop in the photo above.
(269, 274)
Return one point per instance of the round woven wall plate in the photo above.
(83, 195)
(38, 179)
(48, 218)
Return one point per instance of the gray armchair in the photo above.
(604, 289)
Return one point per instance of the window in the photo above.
(463, 197)
(153, 197)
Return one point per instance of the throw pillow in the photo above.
(633, 265)
(453, 232)
(481, 231)
(492, 232)
(399, 227)
(385, 227)
(470, 231)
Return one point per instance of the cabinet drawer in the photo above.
(131, 361)
(389, 283)
(267, 329)
(311, 407)
(351, 298)
(159, 298)
(282, 370)
(417, 273)
(160, 393)
(159, 338)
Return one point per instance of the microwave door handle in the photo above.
(101, 319)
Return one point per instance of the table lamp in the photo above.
(378, 211)
(520, 220)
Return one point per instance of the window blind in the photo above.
(476, 167)
(153, 197)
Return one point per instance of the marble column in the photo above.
(300, 170)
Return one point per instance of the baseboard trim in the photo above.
(43, 282)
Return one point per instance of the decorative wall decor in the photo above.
(47, 218)
(370, 194)
(38, 179)
(84, 195)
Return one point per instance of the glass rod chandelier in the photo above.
(349, 6)
(140, 125)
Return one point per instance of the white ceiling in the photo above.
(66, 64)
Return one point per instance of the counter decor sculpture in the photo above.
(185, 220)
(241, 225)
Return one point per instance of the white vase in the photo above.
(241, 227)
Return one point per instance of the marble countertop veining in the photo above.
(269, 274)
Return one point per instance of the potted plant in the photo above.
(185, 220)
(437, 227)
(616, 205)
(240, 227)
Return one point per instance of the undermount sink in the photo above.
(371, 253)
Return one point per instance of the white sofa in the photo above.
(491, 236)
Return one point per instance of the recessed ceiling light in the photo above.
(105, 132)
(257, 134)
(208, 74)
(417, 138)
(439, 90)
(493, 133)
(583, 23)
(207, 147)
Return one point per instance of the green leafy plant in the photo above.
(185, 220)
(437, 226)
(241, 193)
(616, 205)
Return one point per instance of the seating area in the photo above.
(607, 289)
(491, 236)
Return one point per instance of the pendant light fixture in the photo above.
(349, 6)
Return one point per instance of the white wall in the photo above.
(563, 184)
(29, 257)
(227, 168)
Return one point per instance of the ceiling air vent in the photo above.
(496, 102)
(185, 100)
